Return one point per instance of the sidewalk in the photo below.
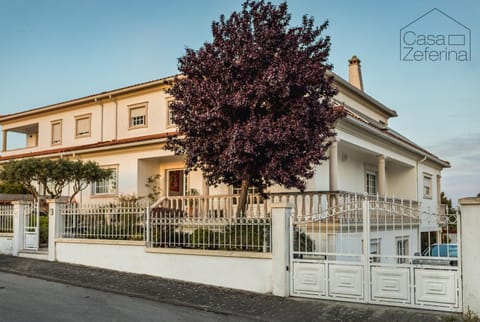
(214, 299)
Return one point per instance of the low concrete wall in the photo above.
(6, 243)
(225, 269)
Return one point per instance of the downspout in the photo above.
(101, 118)
(416, 177)
(116, 115)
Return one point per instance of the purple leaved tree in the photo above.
(255, 106)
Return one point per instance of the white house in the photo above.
(126, 129)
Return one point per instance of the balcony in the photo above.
(22, 137)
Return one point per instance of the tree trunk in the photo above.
(242, 201)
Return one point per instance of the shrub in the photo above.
(302, 242)
(252, 236)
(245, 236)
(205, 238)
(43, 239)
(166, 236)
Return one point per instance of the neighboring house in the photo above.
(126, 129)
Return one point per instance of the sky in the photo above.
(56, 50)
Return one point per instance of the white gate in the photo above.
(378, 251)
(31, 227)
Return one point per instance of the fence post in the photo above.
(470, 252)
(147, 232)
(54, 225)
(18, 226)
(281, 217)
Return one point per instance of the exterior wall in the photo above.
(351, 171)
(250, 274)
(146, 168)
(357, 148)
(134, 167)
(109, 121)
(401, 181)
(157, 114)
(361, 106)
(6, 243)
(429, 204)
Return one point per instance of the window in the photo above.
(371, 182)
(170, 121)
(427, 186)
(402, 248)
(56, 132)
(375, 250)
(107, 186)
(82, 125)
(138, 115)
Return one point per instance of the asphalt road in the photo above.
(29, 299)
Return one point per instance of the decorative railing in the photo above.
(109, 221)
(6, 219)
(178, 229)
(305, 204)
(213, 222)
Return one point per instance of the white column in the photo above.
(333, 166)
(54, 225)
(470, 252)
(381, 175)
(18, 226)
(206, 194)
(281, 216)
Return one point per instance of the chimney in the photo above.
(355, 73)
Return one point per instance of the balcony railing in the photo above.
(305, 204)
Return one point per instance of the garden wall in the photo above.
(244, 271)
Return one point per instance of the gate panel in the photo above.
(390, 284)
(309, 279)
(31, 227)
(346, 281)
(436, 287)
(380, 251)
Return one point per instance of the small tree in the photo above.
(53, 175)
(444, 200)
(12, 188)
(255, 106)
(85, 173)
(24, 172)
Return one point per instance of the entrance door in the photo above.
(176, 185)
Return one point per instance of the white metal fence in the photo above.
(109, 221)
(177, 229)
(196, 222)
(6, 219)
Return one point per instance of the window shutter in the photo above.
(138, 111)
(56, 133)
(83, 126)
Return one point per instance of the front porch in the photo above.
(351, 168)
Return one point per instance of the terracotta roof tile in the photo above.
(139, 139)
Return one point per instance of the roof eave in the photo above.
(91, 98)
(409, 147)
(388, 111)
